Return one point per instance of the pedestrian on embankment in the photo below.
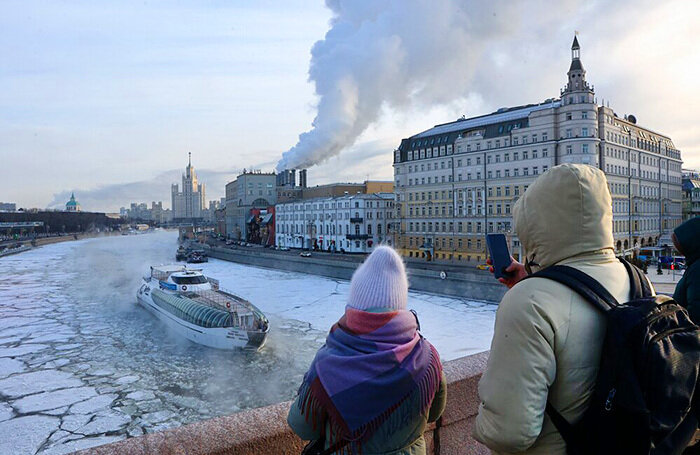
(376, 383)
(686, 239)
(547, 339)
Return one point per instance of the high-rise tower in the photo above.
(188, 203)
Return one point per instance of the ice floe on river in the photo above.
(82, 365)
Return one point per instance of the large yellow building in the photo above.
(457, 181)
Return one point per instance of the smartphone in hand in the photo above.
(500, 256)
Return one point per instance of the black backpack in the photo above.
(646, 395)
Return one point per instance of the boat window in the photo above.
(190, 279)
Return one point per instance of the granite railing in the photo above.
(264, 431)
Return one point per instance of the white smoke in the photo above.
(392, 53)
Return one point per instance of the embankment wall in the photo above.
(458, 283)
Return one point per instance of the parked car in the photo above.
(284, 248)
(482, 266)
(229, 242)
(305, 254)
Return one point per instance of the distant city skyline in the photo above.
(107, 101)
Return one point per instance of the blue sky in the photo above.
(106, 98)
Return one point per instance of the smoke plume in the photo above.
(391, 53)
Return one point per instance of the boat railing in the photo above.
(214, 283)
(225, 302)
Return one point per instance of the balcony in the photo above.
(356, 220)
(357, 236)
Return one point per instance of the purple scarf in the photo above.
(370, 364)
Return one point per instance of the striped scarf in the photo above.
(371, 363)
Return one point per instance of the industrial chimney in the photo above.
(302, 178)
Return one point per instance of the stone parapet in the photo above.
(264, 431)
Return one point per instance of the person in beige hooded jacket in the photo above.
(547, 339)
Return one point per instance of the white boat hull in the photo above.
(219, 338)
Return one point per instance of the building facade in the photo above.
(8, 206)
(188, 204)
(250, 190)
(458, 181)
(353, 223)
(691, 194)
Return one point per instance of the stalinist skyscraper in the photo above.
(187, 205)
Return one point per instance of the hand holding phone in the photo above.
(500, 256)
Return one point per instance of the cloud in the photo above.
(111, 94)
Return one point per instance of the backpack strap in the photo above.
(591, 290)
(581, 283)
(565, 429)
(639, 285)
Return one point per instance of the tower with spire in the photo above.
(578, 125)
(577, 90)
(188, 204)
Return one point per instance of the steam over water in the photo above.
(81, 364)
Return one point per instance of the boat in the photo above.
(197, 257)
(181, 253)
(194, 306)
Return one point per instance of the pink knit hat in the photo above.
(380, 282)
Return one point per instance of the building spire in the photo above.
(575, 49)
(189, 159)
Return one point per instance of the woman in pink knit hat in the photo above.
(376, 383)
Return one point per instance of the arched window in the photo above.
(260, 203)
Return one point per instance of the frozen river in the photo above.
(81, 364)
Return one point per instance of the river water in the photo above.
(81, 364)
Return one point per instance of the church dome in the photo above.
(72, 205)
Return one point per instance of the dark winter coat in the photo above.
(688, 288)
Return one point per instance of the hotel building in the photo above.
(458, 181)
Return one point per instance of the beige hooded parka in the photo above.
(547, 340)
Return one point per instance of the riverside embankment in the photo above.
(447, 280)
(27, 244)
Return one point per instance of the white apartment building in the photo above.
(351, 223)
(458, 181)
